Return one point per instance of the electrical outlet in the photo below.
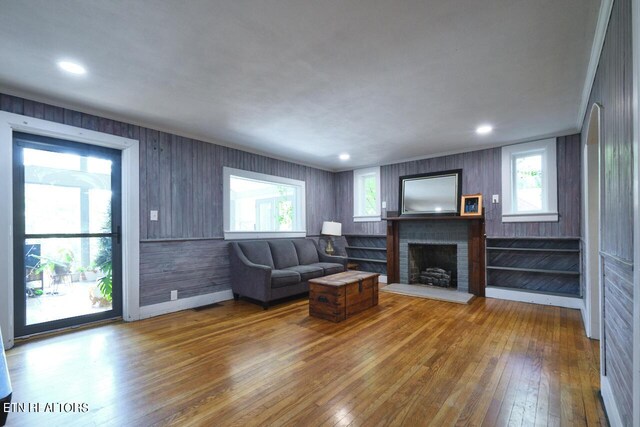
(384, 205)
(153, 215)
(174, 295)
(495, 198)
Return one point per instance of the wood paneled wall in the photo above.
(182, 179)
(481, 173)
(192, 267)
(612, 89)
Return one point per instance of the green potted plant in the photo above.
(82, 273)
(105, 283)
(59, 268)
(103, 261)
(63, 261)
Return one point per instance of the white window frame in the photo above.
(549, 212)
(358, 195)
(300, 220)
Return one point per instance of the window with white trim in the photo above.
(529, 182)
(258, 205)
(366, 194)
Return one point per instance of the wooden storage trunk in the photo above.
(342, 295)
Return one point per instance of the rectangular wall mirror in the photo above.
(436, 193)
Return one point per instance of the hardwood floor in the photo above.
(408, 361)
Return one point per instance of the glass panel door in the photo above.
(67, 226)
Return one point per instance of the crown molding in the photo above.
(596, 50)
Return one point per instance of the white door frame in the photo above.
(591, 182)
(9, 123)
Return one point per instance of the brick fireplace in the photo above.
(454, 244)
(437, 235)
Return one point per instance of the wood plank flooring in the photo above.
(408, 361)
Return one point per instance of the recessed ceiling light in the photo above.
(72, 67)
(344, 156)
(484, 129)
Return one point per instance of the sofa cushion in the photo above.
(307, 252)
(283, 253)
(280, 278)
(329, 267)
(257, 252)
(307, 271)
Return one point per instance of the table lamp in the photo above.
(5, 384)
(330, 228)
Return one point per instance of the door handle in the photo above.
(117, 234)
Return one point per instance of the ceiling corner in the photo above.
(596, 49)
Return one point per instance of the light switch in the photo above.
(153, 215)
(384, 205)
(495, 198)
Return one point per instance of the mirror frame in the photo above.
(457, 172)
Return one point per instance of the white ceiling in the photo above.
(305, 80)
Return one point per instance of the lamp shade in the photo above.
(330, 228)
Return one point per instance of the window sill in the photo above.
(367, 218)
(243, 235)
(537, 217)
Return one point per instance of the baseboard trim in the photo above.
(615, 420)
(153, 310)
(585, 322)
(534, 298)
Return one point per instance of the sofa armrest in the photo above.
(333, 258)
(250, 264)
(247, 278)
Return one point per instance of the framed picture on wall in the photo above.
(471, 205)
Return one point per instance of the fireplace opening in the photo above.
(435, 265)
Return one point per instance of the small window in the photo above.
(258, 205)
(529, 182)
(366, 194)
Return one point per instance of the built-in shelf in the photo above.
(381, 261)
(535, 292)
(542, 265)
(534, 270)
(532, 249)
(365, 248)
(368, 251)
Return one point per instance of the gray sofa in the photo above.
(267, 270)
